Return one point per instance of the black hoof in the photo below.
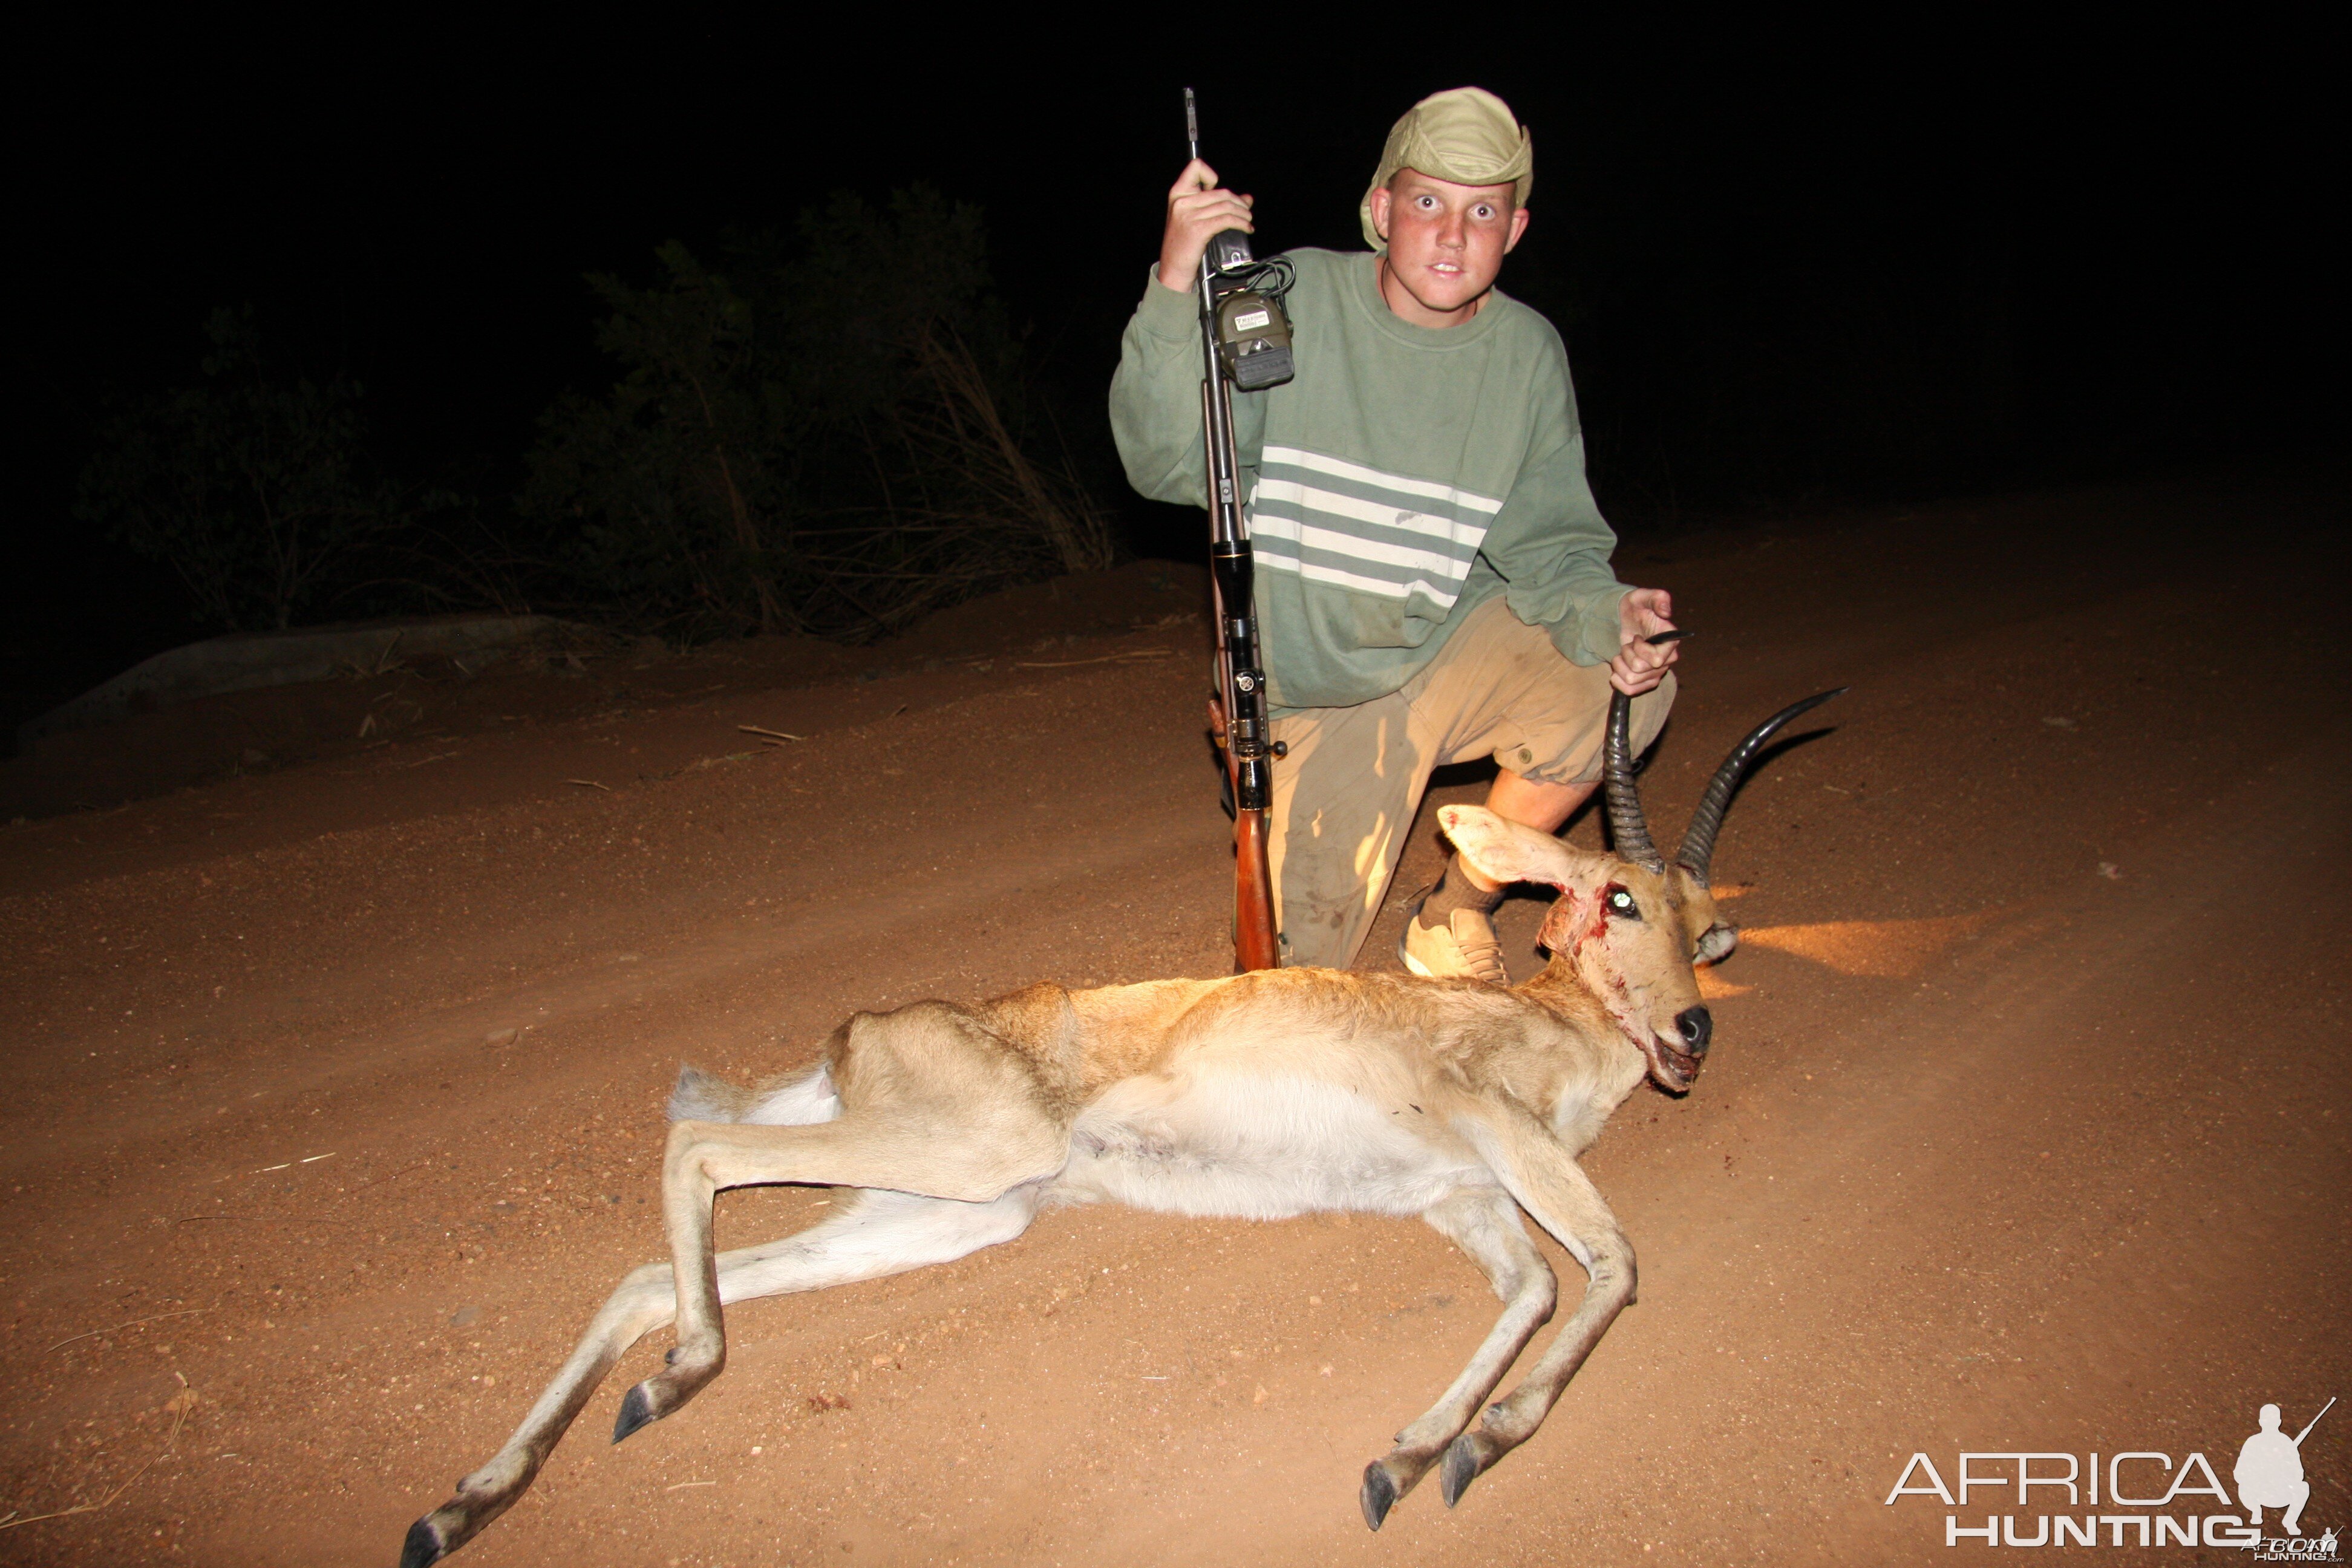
(637, 1411)
(422, 1545)
(1378, 1495)
(1463, 1463)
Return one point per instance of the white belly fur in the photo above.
(1248, 1146)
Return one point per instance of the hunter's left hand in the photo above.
(1640, 615)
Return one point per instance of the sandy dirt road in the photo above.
(2026, 1129)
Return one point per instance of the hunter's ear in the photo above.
(1508, 852)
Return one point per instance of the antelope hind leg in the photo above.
(974, 1152)
(1483, 1223)
(871, 1234)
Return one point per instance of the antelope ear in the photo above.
(1712, 936)
(1571, 917)
(1509, 852)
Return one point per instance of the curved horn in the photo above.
(1698, 844)
(1627, 828)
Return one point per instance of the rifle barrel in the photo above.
(2324, 1409)
(1240, 694)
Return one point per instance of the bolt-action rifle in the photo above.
(1245, 342)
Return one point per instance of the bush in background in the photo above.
(255, 487)
(831, 434)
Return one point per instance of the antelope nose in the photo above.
(1695, 1025)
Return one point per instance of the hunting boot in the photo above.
(1449, 931)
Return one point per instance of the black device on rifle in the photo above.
(1245, 342)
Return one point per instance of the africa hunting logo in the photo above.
(2269, 1476)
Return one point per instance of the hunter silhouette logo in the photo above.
(2155, 1502)
(2270, 1470)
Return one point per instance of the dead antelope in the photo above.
(1261, 1096)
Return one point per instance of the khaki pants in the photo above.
(1344, 797)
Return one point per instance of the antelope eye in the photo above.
(1622, 904)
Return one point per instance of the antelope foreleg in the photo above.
(1485, 1224)
(1550, 1186)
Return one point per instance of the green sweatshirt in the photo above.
(1407, 475)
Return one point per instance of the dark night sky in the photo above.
(417, 203)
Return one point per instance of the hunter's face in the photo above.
(1446, 242)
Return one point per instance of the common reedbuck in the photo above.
(1259, 1096)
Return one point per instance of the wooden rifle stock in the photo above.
(1254, 937)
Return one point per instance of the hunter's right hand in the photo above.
(1198, 209)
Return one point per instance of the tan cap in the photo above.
(1465, 136)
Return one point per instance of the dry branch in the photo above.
(118, 1327)
(179, 1404)
(1130, 656)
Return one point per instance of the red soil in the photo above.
(2025, 1127)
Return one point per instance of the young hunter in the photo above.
(1433, 575)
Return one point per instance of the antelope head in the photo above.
(1711, 936)
(1632, 926)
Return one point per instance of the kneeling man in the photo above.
(1433, 583)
